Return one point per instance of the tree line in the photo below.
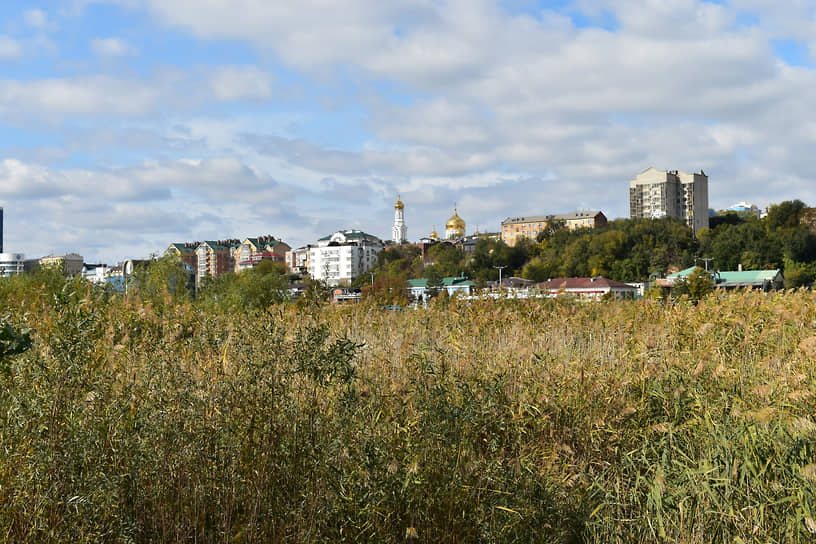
(624, 250)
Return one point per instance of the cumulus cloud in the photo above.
(10, 49)
(506, 110)
(77, 96)
(112, 47)
(230, 83)
(153, 202)
(36, 18)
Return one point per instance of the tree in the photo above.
(434, 284)
(785, 215)
(696, 285)
(162, 279)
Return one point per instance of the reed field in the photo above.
(495, 421)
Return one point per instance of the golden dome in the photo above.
(455, 222)
(434, 233)
(399, 205)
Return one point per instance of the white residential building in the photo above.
(11, 264)
(340, 257)
(95, 273)
(656, 193)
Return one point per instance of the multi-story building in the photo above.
(186, 251)
(297, 260)
(656, 193)
(95, 273)
(515, 228)
(70, 263)
(340, 257)
(254, 250)
(11, 264)
(214, 258)
(745, 208)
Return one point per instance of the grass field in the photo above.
(508, 421)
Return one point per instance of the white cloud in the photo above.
(230, 83)
(36, 18)
(504, 113)
(136, 210)
(10, 49)
(112, 47)
(77, 96)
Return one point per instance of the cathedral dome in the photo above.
(399, 205)
(455, 222)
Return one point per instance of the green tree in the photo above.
(696, 285)
(785, 215)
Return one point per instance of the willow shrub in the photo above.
(499, 421)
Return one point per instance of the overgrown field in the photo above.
(514, 421)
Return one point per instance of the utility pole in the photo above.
(705, 260)
(500, 268)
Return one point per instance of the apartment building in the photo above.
(340, 257)
(214, 258)
(254, 250)
(297, 260)
(656, 193)
(515, 228)
(70, 263)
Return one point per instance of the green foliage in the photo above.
(786, 215)
(256, 288)
(696, 285)
(799, 274)
(12, 342)
(489, 254)
(161, 280)
(624, 250)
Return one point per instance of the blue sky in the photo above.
(126, 125)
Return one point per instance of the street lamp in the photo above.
(500, 268)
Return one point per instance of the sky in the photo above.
(126, 125)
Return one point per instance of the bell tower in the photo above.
(399, 233)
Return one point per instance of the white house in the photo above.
(340, 257)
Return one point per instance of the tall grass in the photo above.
(508, 421)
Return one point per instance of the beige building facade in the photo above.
(657, 193)
(515, 228)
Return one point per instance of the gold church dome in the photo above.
(455, 222)
(399, 205)
(434, 234)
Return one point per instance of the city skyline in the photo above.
(127, 125)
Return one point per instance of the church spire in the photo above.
(399, 233)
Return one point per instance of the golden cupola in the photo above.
(399, 205)
(434, 234)
(455, 227)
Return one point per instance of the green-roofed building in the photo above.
(418, 288)
(737, 279)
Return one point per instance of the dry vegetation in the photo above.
(510, 421)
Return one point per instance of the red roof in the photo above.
(583, 283)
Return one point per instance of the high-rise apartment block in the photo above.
(656, 193)
(340, 257)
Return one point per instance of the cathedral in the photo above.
(454, 228)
